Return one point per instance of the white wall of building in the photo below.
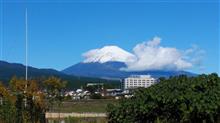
(138, 81)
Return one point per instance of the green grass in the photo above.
(97, 106)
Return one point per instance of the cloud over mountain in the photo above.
(149, 55)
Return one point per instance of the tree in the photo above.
(7, 109)
(30, 102)
(54, 88)
(177, 99)
(25, 102)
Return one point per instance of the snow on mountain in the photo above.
(107, 54)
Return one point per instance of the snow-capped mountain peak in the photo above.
(106, 54)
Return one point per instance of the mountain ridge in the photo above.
(113, 70)
(8, 70)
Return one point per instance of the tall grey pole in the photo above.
(26, 47)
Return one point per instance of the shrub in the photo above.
(177, 99)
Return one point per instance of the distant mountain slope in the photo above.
(112, 70)
(96, 69)
(8, 70)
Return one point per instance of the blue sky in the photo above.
(59, 32)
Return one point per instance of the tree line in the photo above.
(27, 101)
(178, 99)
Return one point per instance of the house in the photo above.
(113, 92)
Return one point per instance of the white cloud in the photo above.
(195, 55)
(151, 56)
(148, 55)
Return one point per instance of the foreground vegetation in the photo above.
(173, 100)
(179, 99)
(26, 102)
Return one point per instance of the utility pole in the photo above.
(1, 29)
(26, 47)
(26, 57)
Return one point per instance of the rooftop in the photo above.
(140, 76)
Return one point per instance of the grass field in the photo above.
(97, 106)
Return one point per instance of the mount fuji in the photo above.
(108, 54)
(109, 61)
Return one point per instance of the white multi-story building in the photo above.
(136, 81)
